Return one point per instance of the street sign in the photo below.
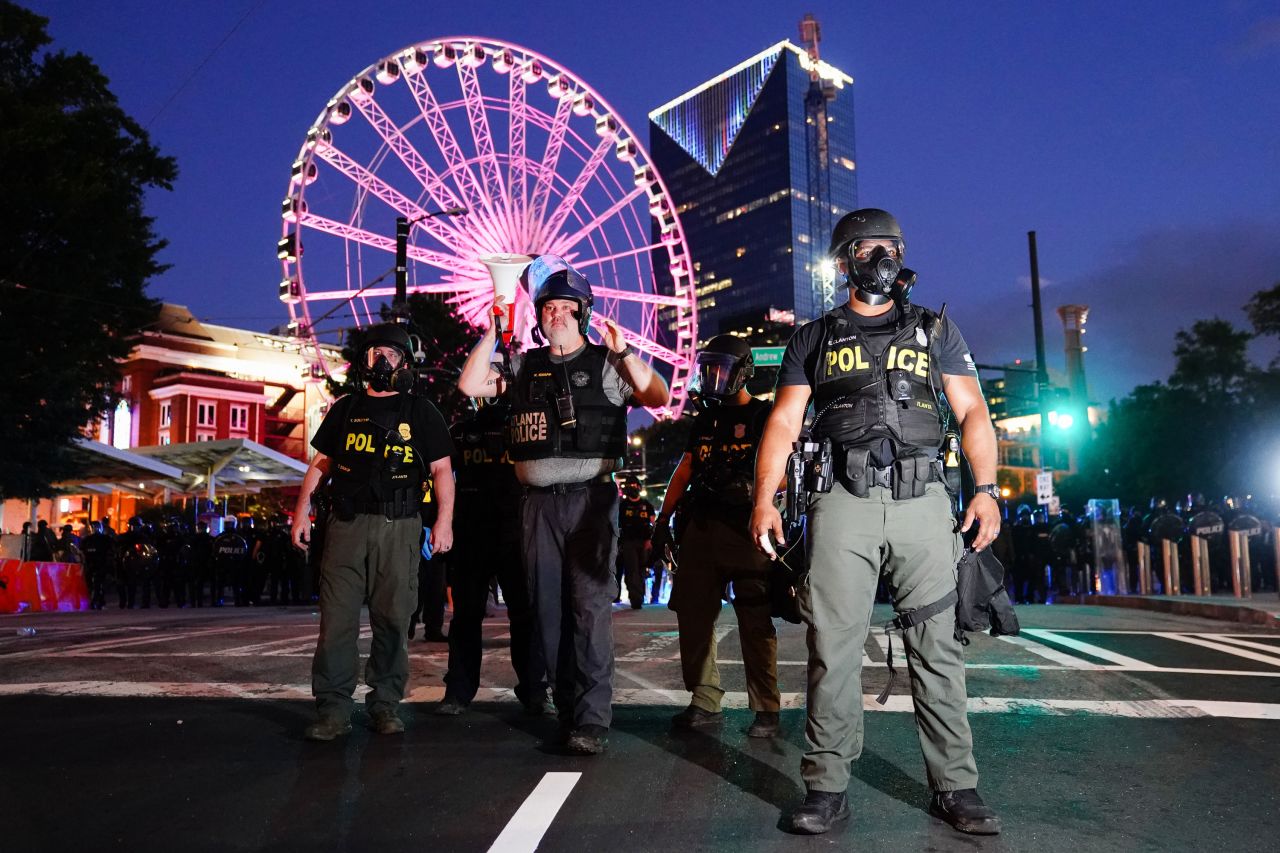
(1044, 487)
(768, 356)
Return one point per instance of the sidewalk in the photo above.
(1262, 609)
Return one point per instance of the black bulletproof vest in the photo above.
(857, 398)
(635, 518)
(375, 461)
(723, 454)
(534, 430)
(487, 492)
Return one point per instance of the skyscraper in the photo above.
(760, 162)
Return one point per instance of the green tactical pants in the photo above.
(713, 553)
(849, 540)
(366, 559)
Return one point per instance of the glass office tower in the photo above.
(760, 163)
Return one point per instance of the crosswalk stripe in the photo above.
(1145, 708)
(1088, 648)
(1220, 647)
(1069, 661)
(1237, 641)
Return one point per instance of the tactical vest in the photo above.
(887, 386)
(635, 518)
(534, 430)
(723, 454)
(481, 464)
(376, 463)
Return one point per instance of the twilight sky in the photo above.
(1141, 140)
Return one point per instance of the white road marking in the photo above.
(532, 820)
(1148, 708)
(1069, 661)
(1236, 641)
(1089, 649)
(1221, 647)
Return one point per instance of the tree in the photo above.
(1212, 361)
(1264, 311)
(446, 341)
(76, 249)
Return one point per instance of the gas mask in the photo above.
(881, 277)
(383, 377)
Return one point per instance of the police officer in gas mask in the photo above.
(567, 435)
(386, 453)
(712, 484)
(877, 370)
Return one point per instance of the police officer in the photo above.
(99, 558)
(170, 569)
(200, 563)
(271, 553)
(386, 452)
(635, 524)
(487, 544)
(567, 435)
(138, 560)
(876, 369)
(230, 563)
(713, 482)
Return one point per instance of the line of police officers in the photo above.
(180, 566)
(876, 368)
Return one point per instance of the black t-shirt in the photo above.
(373, 416)
(802, 350)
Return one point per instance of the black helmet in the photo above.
(389, 335)
(564, 283)
(631, 487)
(881, 276)
(870, 223)
(136, 523)
(724, 366)
(382, 376)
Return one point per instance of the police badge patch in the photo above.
(580, 379)
(739, 430)
(405, 434)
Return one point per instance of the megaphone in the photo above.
(505, 271)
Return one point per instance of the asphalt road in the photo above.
(1098, 729)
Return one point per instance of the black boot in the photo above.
(818, 812)
(965, 811)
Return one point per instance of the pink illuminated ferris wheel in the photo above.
(540, 162)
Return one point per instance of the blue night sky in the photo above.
(1139, 139)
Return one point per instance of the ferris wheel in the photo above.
(540, 164)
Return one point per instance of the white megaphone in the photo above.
(505, 271)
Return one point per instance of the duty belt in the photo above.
(905, 478)
(566, 488)
(346, 509)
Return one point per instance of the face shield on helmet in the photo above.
(720, 375)
(723, 367)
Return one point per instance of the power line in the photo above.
(208, 57)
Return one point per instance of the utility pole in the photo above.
(1042, 371)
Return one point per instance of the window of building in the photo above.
(204, 436)
(166, 415)
(240, 418)
(122, 426)
(164, 437)
(206, 412)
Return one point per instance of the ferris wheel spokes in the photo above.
(547, 170)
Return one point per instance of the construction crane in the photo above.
(817, 169)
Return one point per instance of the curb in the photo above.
(1223, 612)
